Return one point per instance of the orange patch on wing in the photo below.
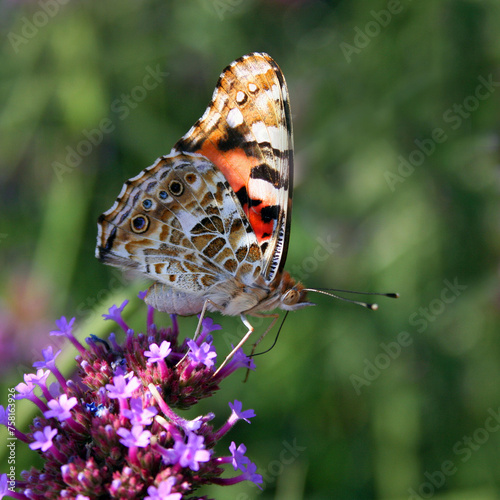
(234, 164)
(236, 167)
(262, 230)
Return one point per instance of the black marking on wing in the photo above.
(270, 213)
(232, 139)
(103, 251)
(243, 198)
(267, 173)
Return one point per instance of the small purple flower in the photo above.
(208, 326)
(137, 436)
(4, 415)
(238, 414)
(115, 314)
(158, 353)
(193, 425)
(60, 409)
(65, 327)
(203, 354)
(250, 474)
(55, 390)
(39, 379)
(163, 491)
(189, 454)
(239, 360)
(139, 415)
(49, 357)
(121, 389)
(4, 486)
(239, 460)
(25, 390)
(4, 420)
(43, 439)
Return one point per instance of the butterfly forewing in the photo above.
(247, 133)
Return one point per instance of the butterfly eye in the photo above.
(147, 204)
(291, 297)
(163, 195)
(176, 188)
(139, 224)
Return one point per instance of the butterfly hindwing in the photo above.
(179, 223)
(247, 133)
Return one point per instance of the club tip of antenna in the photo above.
(393, 295)
(373, 307)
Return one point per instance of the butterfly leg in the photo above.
(202, 317)
(240, 343)
(198, 328)
(268, 329)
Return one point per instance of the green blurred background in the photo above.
(396, 121)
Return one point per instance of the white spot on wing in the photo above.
(275, 92)
(264, 189)
(252, 87)
(234, 118)
(205, 114)
(272, 135)
(240, 97)
(195, 186)
(187, 220)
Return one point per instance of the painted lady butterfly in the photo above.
(210, 222)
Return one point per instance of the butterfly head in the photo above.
(293, 294)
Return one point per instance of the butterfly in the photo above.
(210, 221)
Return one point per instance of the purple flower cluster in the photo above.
(112, 432)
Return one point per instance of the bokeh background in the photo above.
(396, 119)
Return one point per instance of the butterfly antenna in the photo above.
(275, 339)
(368, 305)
